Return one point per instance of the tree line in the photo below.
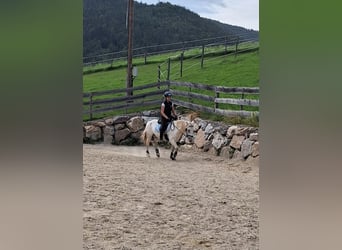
(104, 26)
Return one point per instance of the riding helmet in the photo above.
(167, 93)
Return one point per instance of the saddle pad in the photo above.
(156, 128)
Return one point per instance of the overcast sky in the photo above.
(244, 13)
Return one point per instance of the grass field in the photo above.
(221, 70)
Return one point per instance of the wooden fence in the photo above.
(151, 95)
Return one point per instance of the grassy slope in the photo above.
(224, 71)
(227, 70)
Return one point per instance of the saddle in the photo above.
(172, 119)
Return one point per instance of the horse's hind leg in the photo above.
(147, 145)
(155, 144)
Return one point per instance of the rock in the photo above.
(120, 119)
(108, 130)
(222, 129)
(246, 148)
(107, 139)
(225, 152)
(195, 126)
(100, 124)
(119, 126)
(237, 155)
(137, 135)
(135, 124)
(146, 113)
(199, 139)
(209, 129)
(109, 121)
(93, 133)
(218, 140)
(213, 151)
(147, 119)
(254, 136)
(202, 124)
(207, 145)
(237, 141)
(255, 149)
(130, 141)
(121, 135)
(231, 131)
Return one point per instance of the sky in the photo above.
(244, 13)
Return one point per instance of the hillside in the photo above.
(104, 26)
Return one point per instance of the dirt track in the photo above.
(197, 202)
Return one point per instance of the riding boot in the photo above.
(166, 137)
(161, 136)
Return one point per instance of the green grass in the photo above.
(227, 70)
(220, 70)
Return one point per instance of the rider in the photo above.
(165, 112)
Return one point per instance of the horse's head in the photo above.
(185, 127)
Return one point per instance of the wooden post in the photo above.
(242, 97)
(145, 58)
(217, 95)
(91, 106)
(181, 64)
(202, 57)
(225, 44)
(129, 80)
(190, 99)
(168, 68)
(158, 73)
(236, 46)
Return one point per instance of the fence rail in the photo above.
(226, 41)
(109, 100)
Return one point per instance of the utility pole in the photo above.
(129, 81)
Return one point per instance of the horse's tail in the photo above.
(144, 137)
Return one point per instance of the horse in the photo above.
(175, 130)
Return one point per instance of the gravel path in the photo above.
(198, 201)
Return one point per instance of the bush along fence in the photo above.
(227, 101)
(232, 142)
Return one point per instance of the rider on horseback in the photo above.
(165, 112)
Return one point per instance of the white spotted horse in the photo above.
(175, 130)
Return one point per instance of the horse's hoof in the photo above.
(158, 155)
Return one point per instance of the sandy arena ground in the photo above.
(198, 201)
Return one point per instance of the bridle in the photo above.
(173, 126)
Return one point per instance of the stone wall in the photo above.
(229, 141)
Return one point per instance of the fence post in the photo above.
(202, 57)
(158, 73)
(236, 46)
(168, 68)
(181, 64)
(217, 95)
(91, 106)
(225, 44)
(145, 59)
(242, 97)
(190, 99)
